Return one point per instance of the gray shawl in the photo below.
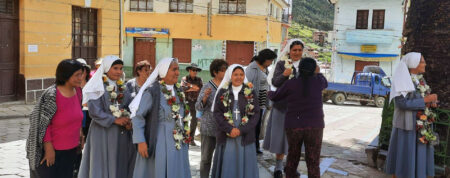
(40, 118)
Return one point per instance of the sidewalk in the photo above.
(344, 141)
(16, 109)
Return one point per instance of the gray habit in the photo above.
(168, 162)
(108, 152)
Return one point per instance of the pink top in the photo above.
(64, 129)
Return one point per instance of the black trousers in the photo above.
(194, 118)
(208, 146)
(63, 167)
(258, 129)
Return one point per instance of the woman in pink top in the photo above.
(56, 123)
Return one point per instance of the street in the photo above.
(348, 129)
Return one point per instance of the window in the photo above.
(271, 9)
(386, 82)
(141, 5)
(7, 7)
(232, 6)
(181, 6)
(84, 34)
(378, 19)
(362, 18)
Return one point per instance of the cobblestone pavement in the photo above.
(348, 129)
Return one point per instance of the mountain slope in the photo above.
(317, 14)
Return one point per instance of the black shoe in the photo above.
(278, 174)
(259, 152)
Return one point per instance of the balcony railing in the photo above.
(370, 36)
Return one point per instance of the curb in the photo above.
(14, 116)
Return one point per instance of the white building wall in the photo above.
(345, 20)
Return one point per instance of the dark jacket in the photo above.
(278, 80)
(302, 111)
(248, 130)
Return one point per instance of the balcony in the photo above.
(285, 18)
(370, 36)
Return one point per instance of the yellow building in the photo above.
(35, 35)
(200, 31)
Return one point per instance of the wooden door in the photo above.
(239, 52)
(9, 49)
(182, 50)
(145, 49)
(359, 65)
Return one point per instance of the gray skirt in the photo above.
(275, 140)
(407, 157)
(234, 160)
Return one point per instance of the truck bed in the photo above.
(349, 88)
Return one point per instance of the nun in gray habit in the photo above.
(160, 130)
(109, 151)
(407, 156)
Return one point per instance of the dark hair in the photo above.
(263, 55)
(296, 43)
(88, 71)
(118, 61)
(216, 66)
(238, 67)
(306, 68)
(140, 65)
(66, 68)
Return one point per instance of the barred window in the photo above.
(7, 7)
(84, 34)
(185, 6)
(362, 18)
(378, 19)
(141, 5)
(232, 6)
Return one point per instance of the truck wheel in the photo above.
(363, 103)
(379, 101)
(338, 98)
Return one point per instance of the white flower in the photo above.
(178, 85)
(251, 107)
(230, 121)
(247, 91)
(117, 114)
(113, 95)
(225, 104)
(178, 136)
(113, 108)
(423, 131)
(427, 87)
(167, 96)
(419, 122)
(187, 118)
(183, 95)
(227, 114)
(175, 108)
(133, 94)
(287, 65)
(225, 86)
(178, 146)
(427, 112)
(110, 88)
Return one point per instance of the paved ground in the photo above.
(348, 130)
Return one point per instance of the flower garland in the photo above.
(116, 98)
(425, 118)
(180, 134)
(225, 98)
(288, 65)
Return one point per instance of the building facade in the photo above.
(200, 31)
(37, 35)
(365, 33)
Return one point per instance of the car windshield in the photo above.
(386, 81)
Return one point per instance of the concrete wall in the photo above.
(48, 24)
(345, 21)
(205, 51)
